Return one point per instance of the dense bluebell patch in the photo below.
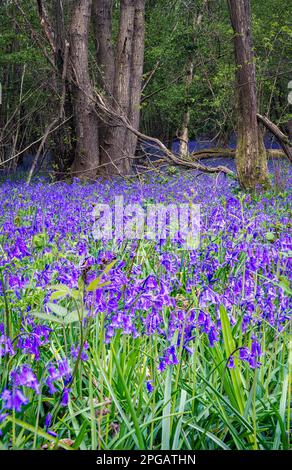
(154, 290)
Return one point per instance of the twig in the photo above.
(35, 142)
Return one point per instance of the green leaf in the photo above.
(166, 421)
(282, 411)
(38, 431)
(47, 317)
(96, 283)
(61, 290)
(285, 285)
(58, 309)
(129, 399)
(177, 435)
(270, 236)
(230, 347)
(72, 317)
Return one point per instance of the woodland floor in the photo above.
(121, 344)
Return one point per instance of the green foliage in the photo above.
(173, 39)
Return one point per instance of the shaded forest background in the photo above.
(188, 72)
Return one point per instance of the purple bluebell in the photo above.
(24, 376)
(13, 399)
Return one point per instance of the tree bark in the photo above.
(121, 121)
(137, 63)
(125, 81)
(102, 21)
(87, 153)
(251, 158)
(113, 151)
(184, 134)
(64, 148)
(289, 127)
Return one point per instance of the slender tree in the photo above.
(196, 20)
(251, 158)
(56, 34)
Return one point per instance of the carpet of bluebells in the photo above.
(124, 344)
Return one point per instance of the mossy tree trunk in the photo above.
(251, 156)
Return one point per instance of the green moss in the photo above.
(256, 174)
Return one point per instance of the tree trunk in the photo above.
(184, 135)
(137, 63)
(64, 142)
(87, 153)
(125, 82)
(113, 153)
(289, 127)
(251, 158)
(102, 21)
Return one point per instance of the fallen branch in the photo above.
(228, 153)
(170, 157)
(212, 153)
(167, 154)
(282, 138)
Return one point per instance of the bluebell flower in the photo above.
(149, 386)
(48, 422)
(24, 376)
(13, 399)
(6, 347)
(230, 363)
(75, 351)
(65, 396)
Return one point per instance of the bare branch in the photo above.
(35, 142)
(168, 155)
(282, 138)
(56, 120)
